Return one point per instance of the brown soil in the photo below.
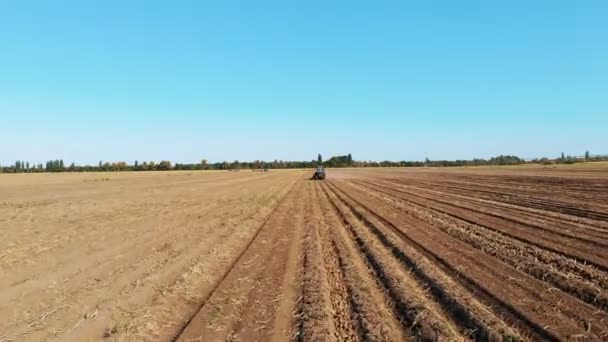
(366, 255)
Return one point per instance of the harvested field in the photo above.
(366, 255)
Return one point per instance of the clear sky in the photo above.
(223, 80)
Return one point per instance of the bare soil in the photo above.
(488, 254)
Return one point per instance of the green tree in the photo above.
(164, 165)
(204, 164)
(563, 157)
(587, 155)
(319, 159)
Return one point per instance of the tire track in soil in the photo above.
(259, 316)
(340, 298)
(182, 330)
(313, 312)
(327, 309)
(283, 326)
(371, 310)
(347, 318)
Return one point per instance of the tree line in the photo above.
(164, 165)
(347, 160)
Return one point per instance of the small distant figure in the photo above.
(319, 173)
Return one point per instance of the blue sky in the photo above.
(223, 80)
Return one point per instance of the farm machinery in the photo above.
(319, 173)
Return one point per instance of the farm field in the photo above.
(368, 254)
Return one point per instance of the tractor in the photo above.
(319, 173)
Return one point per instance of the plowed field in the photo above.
(366, 255)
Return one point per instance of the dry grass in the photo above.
(138, 248)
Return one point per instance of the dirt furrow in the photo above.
(368, 301)
(529, 216)
(558, 219)
(243, 303)
(455, 301)
(521, 301)
(347, 310)
(582, 281)
(548, 204)
(572, 188)
(422, 318)
(313, 316)
(566, 246)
